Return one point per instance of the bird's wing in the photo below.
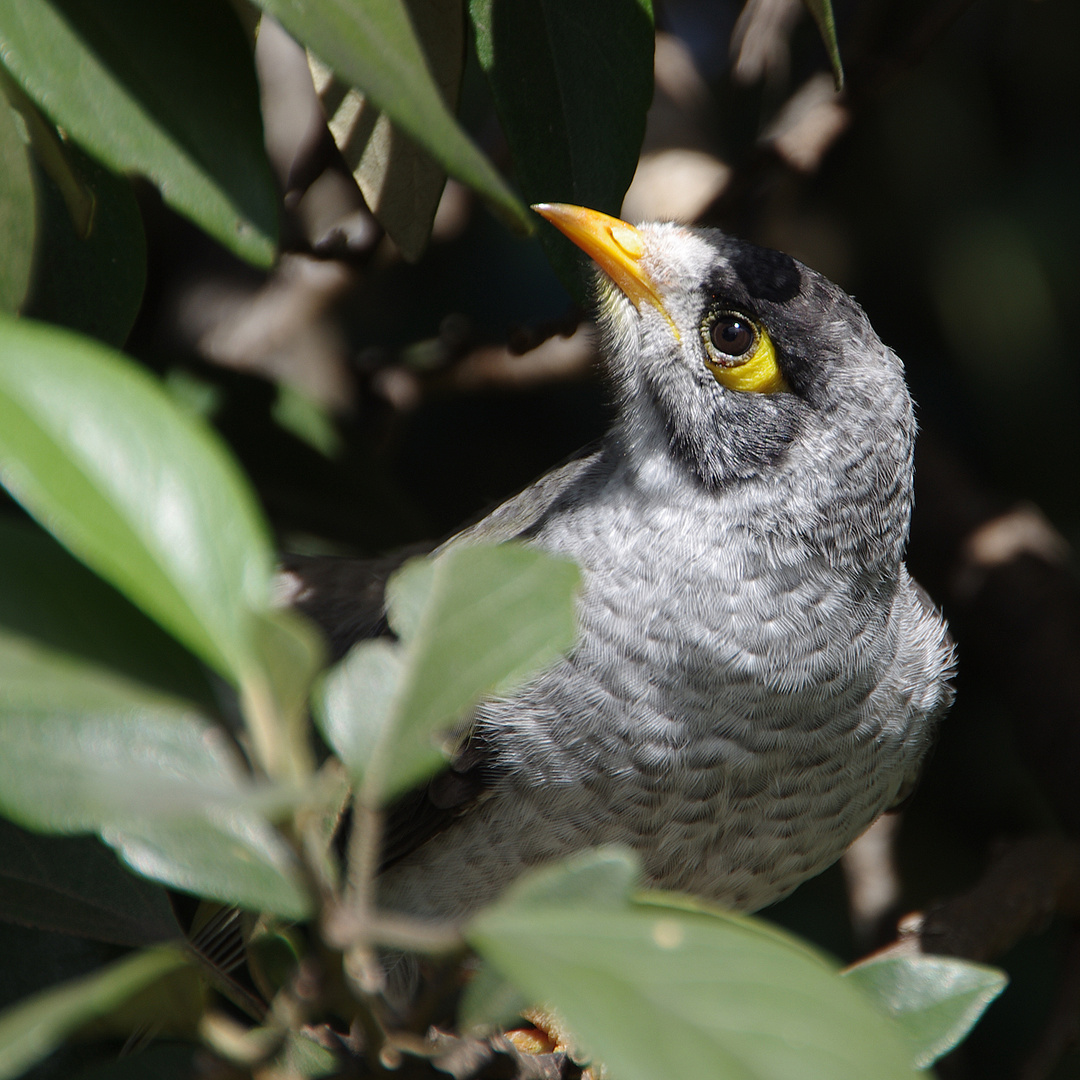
(346, 599)
(522, 514)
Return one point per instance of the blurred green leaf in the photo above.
(17, 211)
(662, 988)
(52, 599)
(822, 11)
(141, 492)
(493, 617)
(292, 654)
(374, 48)
(480, 620)
(82, 750)
(572, 83)
(165, 90)
(74, 885)
(303, 1057)
(937, 1000)
(32, 1029)
(307, 420)
(354, 707)
(238, 859)
(92, 283)
(604, 877)
(79, 772)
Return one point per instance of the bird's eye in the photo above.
(740, 353)
(732, 335)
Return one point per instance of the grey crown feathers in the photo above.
(757, 677)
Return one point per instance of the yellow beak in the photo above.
(616, 247)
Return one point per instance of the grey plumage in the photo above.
(757, 677)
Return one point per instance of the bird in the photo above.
(757, 677)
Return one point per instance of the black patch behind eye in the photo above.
(767, 274)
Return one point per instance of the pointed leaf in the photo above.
(355, 704)
(73, 772)
(936, 999)
(373, 47)
(32, 1029)
(141, 492)
(165, 90)
(232, 856)
(822, 11)
(653, 989)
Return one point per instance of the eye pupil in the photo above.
(732, 336)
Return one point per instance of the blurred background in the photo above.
(378, 401)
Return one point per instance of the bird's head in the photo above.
(749, 366)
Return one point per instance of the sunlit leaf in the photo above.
(164, 90)
(401, 182)
(82, 750)
(141, 492)
(658, 988)
(937, 1000)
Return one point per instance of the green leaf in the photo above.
(572, 83)
(144, 494)
(305, 418)
(937, 1000)
(74, 885)
(90, 282)
(32, 1029)
(476, 621)
(822, 11)
(239, 859)
(374, 48)
(49, 597)
(303, 1057)
(658, 989)
(604, 877)
(81, 771)
(36, 679)
(17, 211)
(165, 90)
(494, 616)
(84, 751)
(355, 706)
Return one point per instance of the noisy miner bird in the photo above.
(757, 676)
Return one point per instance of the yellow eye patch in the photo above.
(740, 354)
